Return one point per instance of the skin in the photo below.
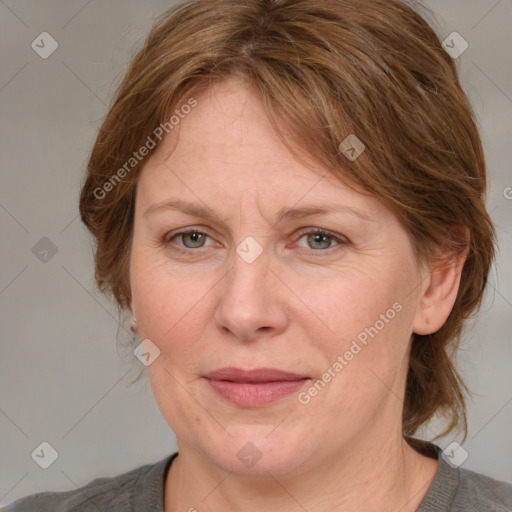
(296, 308)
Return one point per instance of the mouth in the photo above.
(254, 388)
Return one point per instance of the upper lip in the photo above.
(257, 375)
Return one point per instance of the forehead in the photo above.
(228, 125)
(226, 149)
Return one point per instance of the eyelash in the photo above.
(306, 231)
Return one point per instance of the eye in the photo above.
(320, 240)
(192, 239)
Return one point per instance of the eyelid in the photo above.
(341, 240)
(173, 234)
(321, 231)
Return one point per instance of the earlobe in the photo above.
(440, 290)
(133, 324)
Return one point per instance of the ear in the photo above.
(133, 323)
(440, 287)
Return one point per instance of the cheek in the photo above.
(171, 313)
(170, 307)
(358, 305)
(366, 323)
(363, 360)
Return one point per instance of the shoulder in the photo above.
(483, 492)
(138, 489)
(455, 489)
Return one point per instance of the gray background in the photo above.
(63, 377)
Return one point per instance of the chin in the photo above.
(253, 452)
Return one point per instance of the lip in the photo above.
(254, 388)
(253, 376)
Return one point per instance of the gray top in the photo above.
(141, 490)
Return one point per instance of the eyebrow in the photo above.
(283, 214)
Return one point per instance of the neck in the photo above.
(385, 474)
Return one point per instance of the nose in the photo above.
(252, 300)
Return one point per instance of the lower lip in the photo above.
(254, 395)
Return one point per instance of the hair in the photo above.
(324, 69)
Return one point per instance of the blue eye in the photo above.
(322, 237)
(196, 238)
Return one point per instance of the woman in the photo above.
(288, 196)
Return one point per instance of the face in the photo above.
(248, 288)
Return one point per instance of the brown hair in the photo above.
(329, 69)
